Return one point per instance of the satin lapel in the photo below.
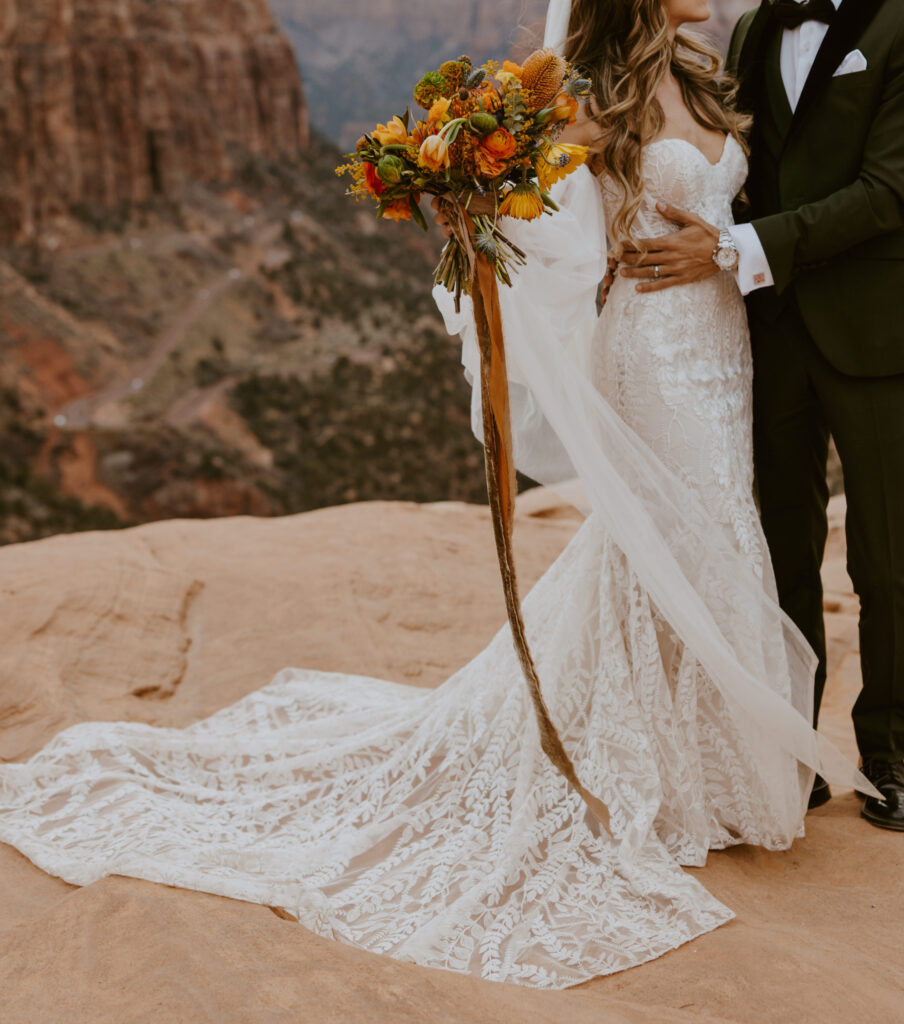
(852, 18)
(751, 64)
(775, 86)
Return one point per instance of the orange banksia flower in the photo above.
(543, 74)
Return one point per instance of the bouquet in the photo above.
(489, 147)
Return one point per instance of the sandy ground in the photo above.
(169, 622)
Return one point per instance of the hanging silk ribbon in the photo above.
(501, 477)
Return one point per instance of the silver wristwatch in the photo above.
(725, 254)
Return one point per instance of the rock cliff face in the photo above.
(110, 102)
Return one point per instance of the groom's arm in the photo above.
(872, 205)
(869, 207)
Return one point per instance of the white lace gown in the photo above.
(429, 826)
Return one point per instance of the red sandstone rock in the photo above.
(109, 102)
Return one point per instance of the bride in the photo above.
(430, 826)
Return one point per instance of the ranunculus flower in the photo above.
(487, 164)
(372, 179)
(434, 153)
(439, 112)
(500, 144)
(398, 209)
(394, 133)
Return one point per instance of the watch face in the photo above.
(727, 258)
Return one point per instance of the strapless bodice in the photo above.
(677, 172)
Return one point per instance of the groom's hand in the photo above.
(682, 258)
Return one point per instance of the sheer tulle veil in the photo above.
(557, 19)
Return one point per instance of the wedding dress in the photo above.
(430, 826)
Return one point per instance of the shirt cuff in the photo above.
(753, 268)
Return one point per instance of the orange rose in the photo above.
(398, 209)
(512, 68)
(500, 144)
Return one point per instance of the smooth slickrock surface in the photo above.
(169, 622)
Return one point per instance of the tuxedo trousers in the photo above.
(800, 400)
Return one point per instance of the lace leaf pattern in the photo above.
(430, 826)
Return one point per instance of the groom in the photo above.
(821, 260)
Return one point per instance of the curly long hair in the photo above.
(624, 48)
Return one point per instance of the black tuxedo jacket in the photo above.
(826, 186)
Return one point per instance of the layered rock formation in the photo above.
(109, 102)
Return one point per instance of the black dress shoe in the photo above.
(888, 778)
(820, 794)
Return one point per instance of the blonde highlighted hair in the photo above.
(624, 48)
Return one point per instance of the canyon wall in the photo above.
(110, 102)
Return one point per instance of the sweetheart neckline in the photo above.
(696, 149)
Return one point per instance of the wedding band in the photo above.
(656, 272)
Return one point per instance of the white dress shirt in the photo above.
(799, 48)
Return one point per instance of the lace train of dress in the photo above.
(430, 826)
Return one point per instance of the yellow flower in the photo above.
(394, 133)
(558, 161)
(524, 202)
(439, 112)
(434, 153)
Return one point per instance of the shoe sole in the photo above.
(880, 823)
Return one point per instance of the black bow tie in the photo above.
(791, 14)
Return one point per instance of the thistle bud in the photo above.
(390, 170)
(483, 123)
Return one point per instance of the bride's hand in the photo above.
(607, 282)
(680, 258)
(441, 219)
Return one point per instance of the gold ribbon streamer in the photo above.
(502, 486)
